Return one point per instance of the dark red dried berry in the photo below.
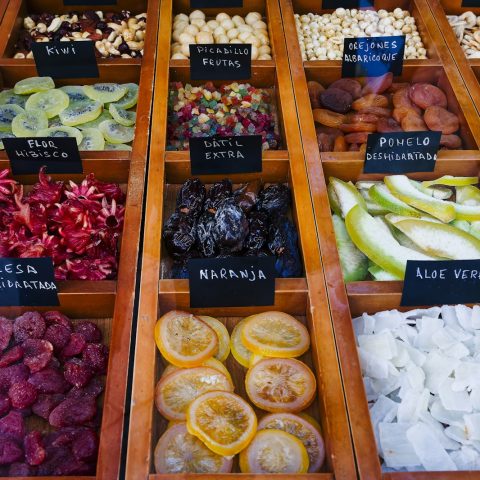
(96, 356)
(5, 405)
(90, 332)
(12, 374)
(9, 451)
(22, 394)
(55, 317)
(21, 470)
(92, 390)
(6, 330)
(11, 356)
(56, 456)
(36, 354)
(34, 450)
(28, 325)
(75, 346)
(12, 426)
(85, 446)
(73, 412)
(58, 335)
(46, 402)
(49, 380)
(77, 372)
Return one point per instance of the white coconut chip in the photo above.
(381, 344)
(438, 368)
(472, 425)
(466, 458)
(458, 401)
(476, 317)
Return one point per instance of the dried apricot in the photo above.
(337, 100)
(396, 86)
(357, 137)
(358, 127)
(440, 119)
(387, 125)
(378, 111)
(363, 148)
(314, 91)
(340, 144)
(370, 100)
(401, 98)
(361, 118)
(399, 113)
(349, 85)
(426, 95)
(327, 117)
(452, 142)
(378, 84)
(354, 147)
(413, 123)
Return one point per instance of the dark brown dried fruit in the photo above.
(6, 330)
(75, 346)
(426, 95)
(231, 227)
(34, 450)
(73, 411)
(245, 197)
(451, 142)
(46, 402)
(90, 332)
(337, 100)
(58, 335)
(11, 356)
(28, 325)
(274, 199)
(49, 380)
(378, 84)
(9, 451)
(191, 197)
(95, 356)
(22, 394)
(36, 354)
(441, 120)
(179, 234)
(349, 85)
(325, 142)
(314, 91)
(217, 193)
(77, 372)
(12, 426)
(388, 125)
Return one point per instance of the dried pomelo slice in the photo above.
(274, 451)
(222, 334)
(175, 391)
(52, 102)
(223, 421)
(184, 340)
(305, 429)
(239, 351)
(178, 451)
(211, 362)
(275, 334)
(280, 385)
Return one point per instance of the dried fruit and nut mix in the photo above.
(209, 423)
(51, 371)
(346, 112)
(467, 30)
(321, 36)
(222, 222)
(77, 225)
(235, 109)
(196, 28)
(116, 34)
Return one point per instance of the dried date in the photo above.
(336, 100)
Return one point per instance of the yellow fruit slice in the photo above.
(280, 385)
(211, 362)
(255, 358)
(184, 340)
(239, 351)
(179, 452)
(223, 421)
(174, 392)
(274, 451)
(275, 334)
(305, 428)
(451, 181)
(222, 334)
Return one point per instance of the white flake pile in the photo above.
(421, 371)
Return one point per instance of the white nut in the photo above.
(54, 25)
(135, 46)
(197, 14)
(28, 24)
(41, 28)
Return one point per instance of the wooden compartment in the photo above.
(303, 297)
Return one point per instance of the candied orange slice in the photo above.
(280, 385)
(275, 334)
(211, 362)
(305, 429)
(274, 451)
(225, 422)
(185, 340)
(239, 351)
(175, 391)
(179, 452)
(222, 334)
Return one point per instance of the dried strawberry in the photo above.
(21, 470)
(58, 335)
(12, 374)
(22, 394)
(75, 346)
(94, 388)
(6, 330)
(85, 445)
(28, 325)
(56, 456)
(77, 372)
(9, 451)
(45, 403)
(12, 426)
(36, 354)
(90, 332)
(11, 356)
(54, 317)
(73, 412)
(96, 356)
(49, 380)
(5, 404)
(34, 450)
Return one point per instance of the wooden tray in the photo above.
(303, 297)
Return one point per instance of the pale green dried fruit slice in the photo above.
(33, 85)
(367, 184)
(347, 195)
(27, 124)
(451, 181)
(75, 93)
(332, 198)
(92, 140)
(116, 133)
(381, 275)
(470, 213)
(467, 195)
(130, 99)
(7, 114)
(105, 115)
(435, 191)
(373, 208)
(122, 116)
(52, 102)
(5, 135)
(105, 92)
(382, 195)
(62, 132)
(9, 97)
(55, 122)
(117, 146)
(80, 113)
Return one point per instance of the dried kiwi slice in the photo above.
(122, 116)
(28, 123)
(55, 122)
(105, 115)
(81, 112)
(117, 146)
(75, 93)
(5, 135)
(52, 102)
(105, 92)
(129, 100)
(33, 85)
(92, 139)
(7, 114)
(61, 132)
(116, 133)
(9, 97)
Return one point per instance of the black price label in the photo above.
(334, 4)
(232, 282)
(372, 56)
(470, 3)
(224, 155)
(432, 282)
(216, 3)
(65, 59)
(401, 152)
(222, 61)
(89, 2)
(27, 282)
(28, 155)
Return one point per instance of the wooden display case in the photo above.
(303, 297)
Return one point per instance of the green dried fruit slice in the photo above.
(451, 181)
(468, 195)
(75, 93)
(27, 124)
(7, 114)
(373, 208)
(92, 140)
(105, 92)
(62, 132)
(33, 85)
(381, 275)
(51, 102)
(55, 122)
(382, 195)
(117, 146)
(80, 112)
(347, 195)
(105, 115)
(116, 133)
(130, 99)
(122, 116)
(5, 135)
(9, 97)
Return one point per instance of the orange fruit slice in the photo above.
(222, 334)
(179, 452)
(275, 334)
(239, 351)
(211, 362)
(223, 421)
(184, 340)
(280, 385)
(274, 451)
(175, 391)
(304, 430)
(255, 358)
